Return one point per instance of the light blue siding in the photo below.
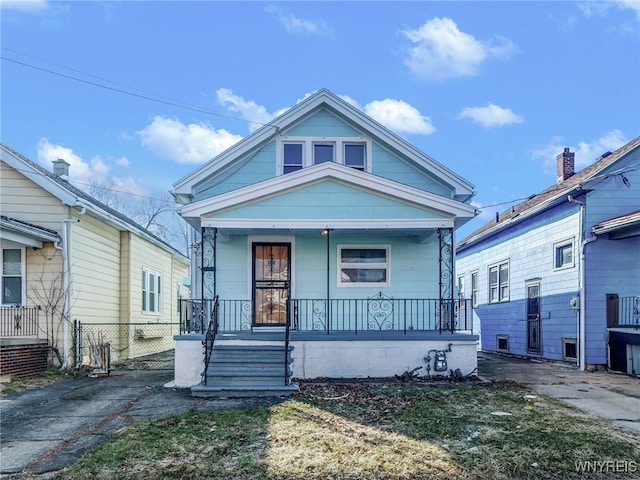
(253, 169)
(328, 199)
(261, 165)
(413, 267)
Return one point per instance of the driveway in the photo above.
(615, 397)
(47, 429)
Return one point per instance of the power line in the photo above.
(144, 96)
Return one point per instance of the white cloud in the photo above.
(441, 51)
(27, 6)
(193, 143)
(399, 116)
(84, 173)
(597, 8)
(248, 110)
(298, 25)
(586, 152)
(491, 115)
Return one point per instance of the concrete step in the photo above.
(208, 391)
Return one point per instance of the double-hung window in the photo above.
(363, 265)
(323, 152)
(355, 156)
(474, 289)
(297, 152)
(151, 291)
(293, 157)
(12, 276)
(563, 254)
(499, 282)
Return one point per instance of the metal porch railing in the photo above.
(374, 314)
(18, 321)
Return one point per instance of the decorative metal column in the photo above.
(447, 314)
(208, 263)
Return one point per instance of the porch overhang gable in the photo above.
(25, 233)
(441, 209)
(183, 188)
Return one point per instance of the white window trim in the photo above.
(461, 281)
(23, 272)
(159, 296)
(386, 266)
(500, 284)
(307, 151)
(475, 298)
(558, 245)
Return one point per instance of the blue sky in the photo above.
(138, 94)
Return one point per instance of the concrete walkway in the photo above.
(612, 396)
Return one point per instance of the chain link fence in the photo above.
(104, 346)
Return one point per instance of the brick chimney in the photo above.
(566, 164)
(61, 169)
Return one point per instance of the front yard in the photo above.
(363, 431)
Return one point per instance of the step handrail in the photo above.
(210, 338)
(286, 344)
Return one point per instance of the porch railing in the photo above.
(629, 311)
(18, 321)
(210, 338)
(378, 313)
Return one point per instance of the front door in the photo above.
(534, 324)
(271, 283)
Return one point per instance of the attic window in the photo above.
(295, 153)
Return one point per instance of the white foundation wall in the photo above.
(189, 361)
(339, 358)
(376, 358)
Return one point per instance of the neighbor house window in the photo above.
(563, 254)
(151, 291)
(360, 265)
(323, 152)
(461, 292)
(499, 282)
(355, 156)
(12, 276)
(292, 157)
(474, 289)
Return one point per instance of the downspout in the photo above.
(64, 249)
(582, 280)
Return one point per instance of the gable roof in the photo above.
(551, 196)
(323, 99)
(452, 209)
(74, 197)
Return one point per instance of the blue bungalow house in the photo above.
(558, 276)
(325, 249)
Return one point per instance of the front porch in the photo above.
(353, 338)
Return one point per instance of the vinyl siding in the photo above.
(95, 271)
(24, 200)
(328, 199)
(413, 267)
(530, 250)
(261, 165)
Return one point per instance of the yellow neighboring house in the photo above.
(69, 260)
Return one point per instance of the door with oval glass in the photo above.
(271, 283)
